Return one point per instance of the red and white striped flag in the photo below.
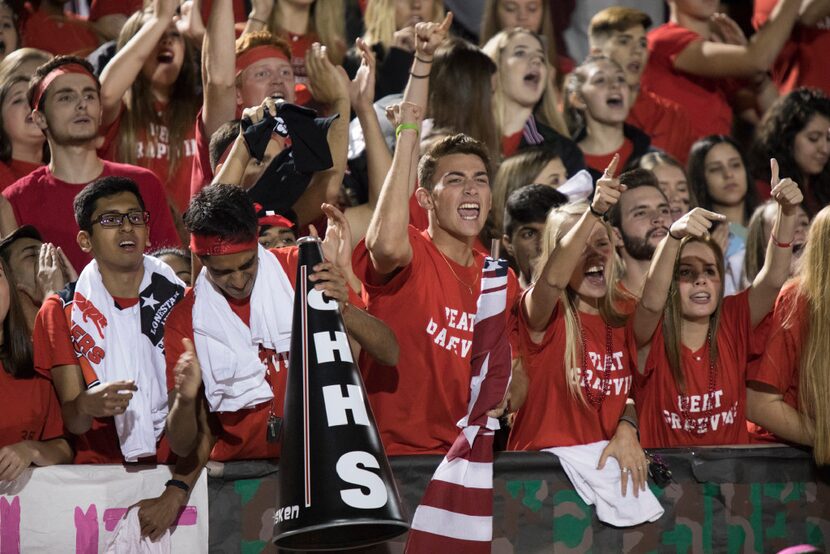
(456, 512)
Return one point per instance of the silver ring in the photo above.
(627, 470)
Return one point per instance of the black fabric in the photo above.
(392, 69)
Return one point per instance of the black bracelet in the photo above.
(422, 60)
(596, 213)
(418, 76)
(673, 236)
(178, 484)
(631, 421)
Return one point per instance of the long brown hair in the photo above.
(16, 350)
(673, 314)
(814, 369)
(557, 225)
(140, 110)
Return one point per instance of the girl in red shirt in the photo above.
(788, 392)
(31, 429)
(696, 344)
(575, 346)
(22, 144)
(597, 102)
(149, 100)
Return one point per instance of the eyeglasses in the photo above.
(116, 219)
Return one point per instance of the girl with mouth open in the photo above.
(23, 146)
(577, 350)
(694, 345)
(150, 101)
(597, 102)
(525, 98)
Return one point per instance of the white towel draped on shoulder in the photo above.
(232, 372)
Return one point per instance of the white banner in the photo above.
(76, 509)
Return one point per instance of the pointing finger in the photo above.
(612, 167)
(773, 166)
(445, 25)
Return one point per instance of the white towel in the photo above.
(129, 345)
(601, 487)
(127, 539)
(233, 374)
(579, 187)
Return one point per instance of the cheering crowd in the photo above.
(660, 190)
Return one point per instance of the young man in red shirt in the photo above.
(64, 95)
(238, 318)
(620, 34)
(434, 277)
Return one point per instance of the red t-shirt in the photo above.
(703, 99)
(551, 416)
(662, 422)
(418, 402)
(56, 222)
(664, 121)
(801, 61)
(153, 152)
(66, 34)
(299, 44)
(14, 170)
(31, 410)
(243, 433)
(779, 365)
(600, 162)
(510, 144)
(54, 347)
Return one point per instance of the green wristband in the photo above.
(404, 126)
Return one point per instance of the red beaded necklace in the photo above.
(685, 402)
(596, 399)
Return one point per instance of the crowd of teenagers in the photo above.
(661, 197)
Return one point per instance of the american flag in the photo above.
(456, 512)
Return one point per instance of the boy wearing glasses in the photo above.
(64, 96)
(101, 339)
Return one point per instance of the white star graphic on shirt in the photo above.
(149, 301)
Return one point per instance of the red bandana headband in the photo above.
(275, 220)
(257, 53)
(54, 74)
(214, 245)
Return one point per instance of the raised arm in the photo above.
(219, 67)
(121, 72)
(428, 36)
(776, 269)
(233, 168)
(259, 16)
(709, 58)
(329, 85)
(649, 310)
(387, 238)
(560, 265)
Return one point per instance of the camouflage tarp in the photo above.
(722, 500)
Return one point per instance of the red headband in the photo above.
(54, 74)
(253, 55)
(214, 245)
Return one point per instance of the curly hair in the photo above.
(787, 117)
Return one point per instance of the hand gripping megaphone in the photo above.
(336, 486)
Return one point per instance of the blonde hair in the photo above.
(547, 109)
(140, 110)
(328, 20)
(814, 291)
(15, 60)
(673, 314)
(557, 225)
(380, 21)
(490, 26)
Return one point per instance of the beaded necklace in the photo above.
(596, 399)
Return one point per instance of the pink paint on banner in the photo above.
(10, 526)
(86, 530)
(187, 516)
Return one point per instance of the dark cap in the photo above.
(22, 232)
